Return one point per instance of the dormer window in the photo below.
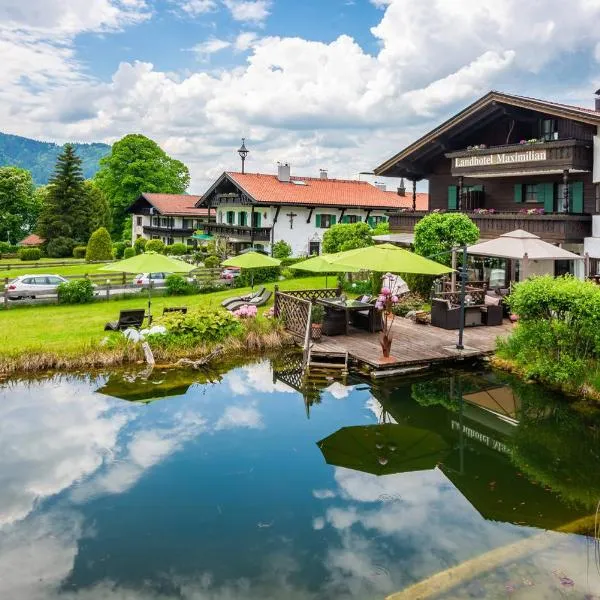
(549, 130)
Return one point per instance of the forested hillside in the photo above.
(40, 157)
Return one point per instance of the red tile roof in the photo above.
(406, 201)
(175, 204)
(31, 240)
(314, 191)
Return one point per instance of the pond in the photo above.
(236, 485)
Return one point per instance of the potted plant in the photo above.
(385, 303)
(316, 322)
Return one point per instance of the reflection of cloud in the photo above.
(377, 409)
(338, 390)
(238, 416)
(318, 523)
(51, 437)
(323, 494)
(255, 378)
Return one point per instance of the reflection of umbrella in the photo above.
(146, 390)
(149, 262)
(251, 260)
(385, 258)
(384, 449)
(322, 264)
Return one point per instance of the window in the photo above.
(314, 248)
(378, 219)
(40, 281)
(164, 222)
(549, 129)
(55, 280)
(243, 219)
(139, 221)
(561, 201)
(324, 221)
(256, 219)
(189, 242)
(530, 192)
(351, 219)
(597, 188)
(155, 221)
(230, 217)
(155, 237)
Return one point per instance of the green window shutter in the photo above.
(576, 197)
(242, 219)
(258, 219)
(333, 220)
(344, 219)
(548, 197)
(518, 192)
(371, 222)
(452, 197)
(318, 220)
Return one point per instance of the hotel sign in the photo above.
(500, 158)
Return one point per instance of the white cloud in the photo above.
(245, 40)
(240, 417)
(193, 8)
(210, 46)
(254, 11)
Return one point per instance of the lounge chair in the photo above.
(246, 298)
(127, 319)
(256, 301)
(369, 320)
(172, 309)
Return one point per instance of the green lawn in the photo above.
(67, 329)
(79, 267)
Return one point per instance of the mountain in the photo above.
(40, 157)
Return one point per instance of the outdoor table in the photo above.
(348, 306)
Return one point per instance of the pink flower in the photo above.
(394, 299)
(386, 291)
(379, 305)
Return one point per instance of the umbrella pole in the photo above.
(252, 280)
(150, 304)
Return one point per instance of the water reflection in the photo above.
(219, 490)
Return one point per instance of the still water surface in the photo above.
(239, 486)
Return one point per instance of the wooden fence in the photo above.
(25, 264)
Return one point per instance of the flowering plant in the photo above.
(532, 211)
(484, 211)
(477, 147)
(270, 314)
(386, 302)
(248, 311)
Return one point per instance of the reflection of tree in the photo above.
(444, 391)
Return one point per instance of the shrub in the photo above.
(78, 291)
(129, 253)
(176, 285)
(6, 248)
(212, 261)
(30, 253)
(202, 324)
(358, 287)
(281, 249)
(119, 249)
(408, 303)
(60, 247)
(140, 245)
(178, 249)
(288, 273)
(347, 236)
(419, 284)
(79, 251)
(155, 246)
(100, 246)
(262, 275)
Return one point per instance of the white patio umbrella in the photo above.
(521, 245)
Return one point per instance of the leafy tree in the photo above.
(100, 246)
(18, 206)
(437, 233)
(137, 164)
(347, 236)
(65, 212)
(98, 208)
(60, 247)
(281, 249)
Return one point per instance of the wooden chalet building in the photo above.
(172, 218)
(512, 162)
(259, 209)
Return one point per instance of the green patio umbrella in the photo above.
(204, 237)
(322, 264)
(384, 449)
(385, 258)
(251, 260)
(149, 262)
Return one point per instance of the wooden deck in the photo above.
(413, 345)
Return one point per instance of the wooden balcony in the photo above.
(168, 231)
(562, 228)
(547, 157)
(261, 234)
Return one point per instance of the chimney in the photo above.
(380, 186)
(283, 172)
(323, 173)
(402, 188)
(597, 107)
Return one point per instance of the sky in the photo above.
(334, 84)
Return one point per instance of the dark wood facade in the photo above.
(507, 155)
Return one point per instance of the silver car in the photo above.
(30, 286)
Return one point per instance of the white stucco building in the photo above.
(257, 209)
(172, 218)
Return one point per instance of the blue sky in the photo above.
(336, 84)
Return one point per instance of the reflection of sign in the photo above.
(504, 158)
(482, 438)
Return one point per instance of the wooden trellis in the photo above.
(294, 312)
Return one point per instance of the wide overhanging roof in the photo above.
(518, 244)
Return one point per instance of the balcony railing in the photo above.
(550, 227)
(259, 234)
(539, 157)
(160, 230)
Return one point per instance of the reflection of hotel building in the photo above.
(504, 156)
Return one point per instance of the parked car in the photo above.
(157, 279)
(30, 286)
(230, 273)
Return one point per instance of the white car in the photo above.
(30, 286)
(230, 273)
(155, 279)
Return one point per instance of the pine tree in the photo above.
(65, 212)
